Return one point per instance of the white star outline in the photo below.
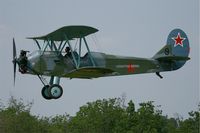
(174, 38)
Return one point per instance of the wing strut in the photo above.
(37, 44)
(89, 51)
(79, 58)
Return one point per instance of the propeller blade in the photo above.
(14, 50)
(14, 59)
(14, 72)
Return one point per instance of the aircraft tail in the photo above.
(174, 55)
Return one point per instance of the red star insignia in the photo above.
(131, 69)
(178, 40)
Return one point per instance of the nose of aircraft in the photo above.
(22, 61)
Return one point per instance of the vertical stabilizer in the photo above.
(176, 50)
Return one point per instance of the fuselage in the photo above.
(49, 63)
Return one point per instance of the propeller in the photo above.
(14, 59)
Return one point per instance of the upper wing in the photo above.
(67, 33)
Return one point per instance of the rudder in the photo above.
(179, 43)
(176, 51)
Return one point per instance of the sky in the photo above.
(132, 28)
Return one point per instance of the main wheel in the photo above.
(45, 92)
(55, 91)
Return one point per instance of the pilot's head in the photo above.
(67, 49)
(23, 53)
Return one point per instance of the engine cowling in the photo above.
(23, 61)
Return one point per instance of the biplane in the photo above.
(57, 58)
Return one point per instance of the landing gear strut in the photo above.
(53, 90)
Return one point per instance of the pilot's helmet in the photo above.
(23, 53)
(67, 49)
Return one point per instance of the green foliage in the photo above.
(190, 125)
(101, 116)
(147, 119)
(17, 118)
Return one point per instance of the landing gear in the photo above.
(45, 92)
(52, 92)
(55, 91)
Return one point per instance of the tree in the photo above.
(147, 119)
(58, 124)
(99, 116)
(17, 118)
(190, 125)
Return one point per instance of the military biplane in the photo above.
(49, 59)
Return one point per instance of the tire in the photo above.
(55, 91)
(45, 92)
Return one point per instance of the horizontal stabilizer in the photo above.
(175, 58)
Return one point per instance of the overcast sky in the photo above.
(131, 27)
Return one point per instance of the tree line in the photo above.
(100, 116)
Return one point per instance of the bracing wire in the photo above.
(96, 42)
